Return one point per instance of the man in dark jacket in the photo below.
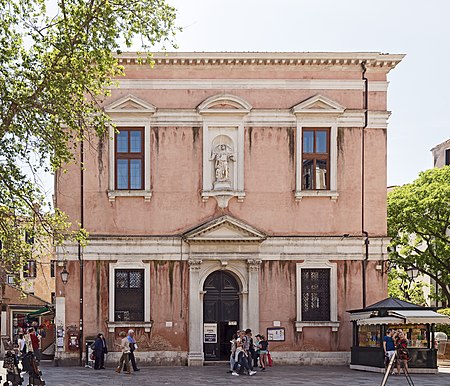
(100, 350)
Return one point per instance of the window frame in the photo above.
(315, 156)
(130, 156)
(147, 323)
(333, 322)
(141, 291)
(319, 291)
(146, 191)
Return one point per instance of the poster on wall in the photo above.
(275, 334)
(209, 332)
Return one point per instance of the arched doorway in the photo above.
(220, 314)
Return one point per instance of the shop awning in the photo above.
(40, 312)
(420, 316)
(381, 320)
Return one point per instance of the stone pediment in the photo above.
(224, 104)
(318, 104)
(224, 229)
(130, 105)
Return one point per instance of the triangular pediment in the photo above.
(130, 104)
(224, 104)
(318, 104)
(224, 229)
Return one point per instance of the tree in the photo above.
(419, 224)
(55, 69)
(402, 286)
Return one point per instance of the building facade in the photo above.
(239, 190)
(441, 154)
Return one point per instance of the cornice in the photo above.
(372, 59)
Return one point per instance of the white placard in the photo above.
(209, 332)
(276, 323)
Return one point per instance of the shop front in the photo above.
(417, 323)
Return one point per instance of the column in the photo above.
(253, 295)
(195, 355)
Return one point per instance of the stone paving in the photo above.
(217, 375)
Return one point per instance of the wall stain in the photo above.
(100, 148)
(291, 140)
(156, 134)
(195, 133)
(340, 140)
(98, 289)
(250, 131)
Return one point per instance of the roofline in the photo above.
(372, 59)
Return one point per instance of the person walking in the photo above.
(35, 343)
(125, 348)
(133, 347)
(100, 349)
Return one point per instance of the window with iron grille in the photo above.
(129, 158)
(315, 294)
(316, 159)
(129, 295)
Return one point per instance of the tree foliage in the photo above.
(404, 287)
(56, 65)
(419, 224)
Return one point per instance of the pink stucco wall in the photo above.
(269, 205)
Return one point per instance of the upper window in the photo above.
(29, 269)
(447, 157)
(129, 157)
(316, 159)
(315, 294)
(129, 295)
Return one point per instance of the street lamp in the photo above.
(64, 274)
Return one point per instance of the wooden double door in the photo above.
(220, 314)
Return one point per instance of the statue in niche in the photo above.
(222, 155)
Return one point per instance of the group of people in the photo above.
(395, 341)
(28, 352)
(246, 352)
(128, 346)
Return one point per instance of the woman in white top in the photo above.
(125, 347)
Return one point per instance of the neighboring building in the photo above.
(33, 301)
(441, 157)
(441, 154)
(231, 197)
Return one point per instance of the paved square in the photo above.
(217, 375)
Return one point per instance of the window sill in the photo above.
(334, 325)
(112, 194)
(146, 325)
(333, 194)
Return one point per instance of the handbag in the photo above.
(269, 359)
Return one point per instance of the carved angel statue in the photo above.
(222, 154)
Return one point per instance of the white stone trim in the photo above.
(249, 299)
(129, 122)
(227, 123)
(268, 118)
(376, 60)
(250, 84)
(128, 249)
(330, 123)
(312, 358)
(333, 322)
(129, 265)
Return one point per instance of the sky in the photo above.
(418, 86)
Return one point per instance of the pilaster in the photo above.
(195, 354)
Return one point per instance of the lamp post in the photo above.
(64, 274)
